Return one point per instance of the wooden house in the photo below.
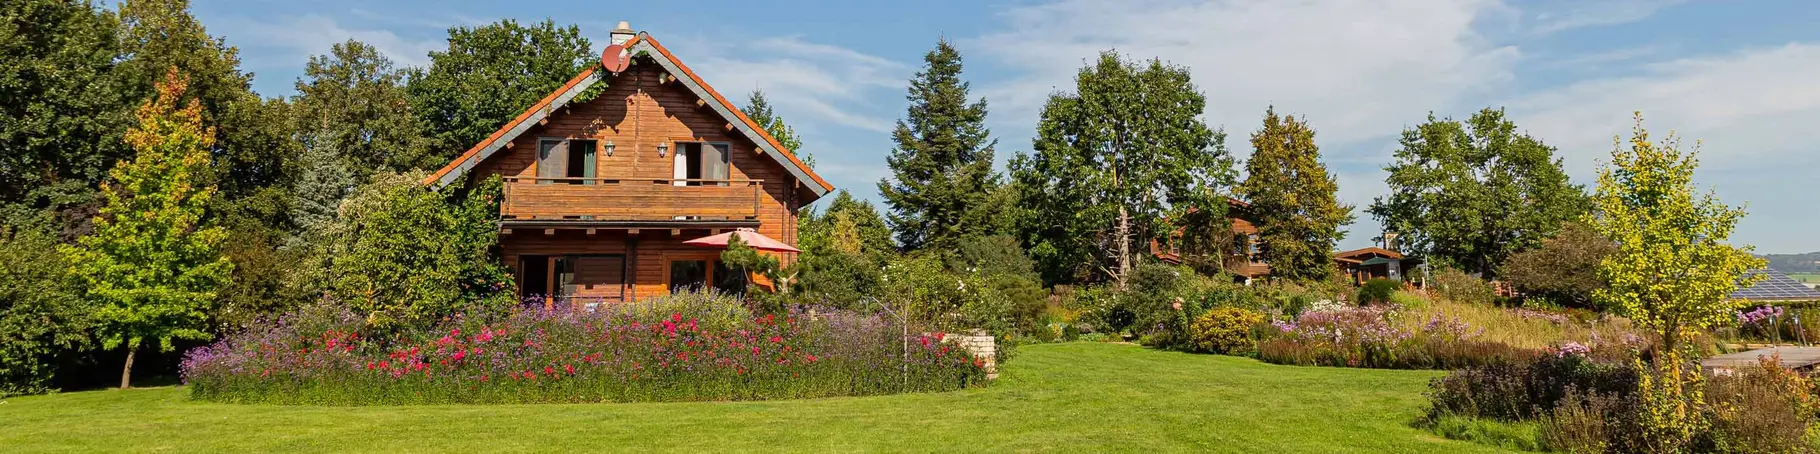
(607, 176)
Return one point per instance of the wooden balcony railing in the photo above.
(619, 199)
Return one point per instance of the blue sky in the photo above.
(1741, 76)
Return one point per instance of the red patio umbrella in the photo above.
(752, 239)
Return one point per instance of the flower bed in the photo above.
(321, 355)
(1368, 337)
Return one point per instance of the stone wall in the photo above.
(980, 345)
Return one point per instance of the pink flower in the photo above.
(458, 355)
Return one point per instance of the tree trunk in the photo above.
(1124, 235)
(126, 374)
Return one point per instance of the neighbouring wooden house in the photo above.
(605, 178)
(1242, 259)
(1245, 263)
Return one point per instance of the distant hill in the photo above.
(1794, 263)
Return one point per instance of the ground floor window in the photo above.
(693, 275)
(688, 275)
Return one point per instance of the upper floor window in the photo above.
(702, 162)
(565, 161)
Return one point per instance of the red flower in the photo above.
(925, 340)
(385, 365)
(458, 355)
(939, 335)
(777, 339)
(676, 317)
(811, 358)
(547, 370)
(570, 369)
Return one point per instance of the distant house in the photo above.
(601, 193)
(1246, 264)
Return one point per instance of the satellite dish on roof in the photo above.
(615, 58)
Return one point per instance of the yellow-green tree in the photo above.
(152, 266)
(1673, 271)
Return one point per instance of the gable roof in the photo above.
(1361, 252)
(641, 44)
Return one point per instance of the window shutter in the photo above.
(719, 161)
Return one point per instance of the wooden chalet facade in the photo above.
(600, 193)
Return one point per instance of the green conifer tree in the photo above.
(1294, 201)
(942, 180)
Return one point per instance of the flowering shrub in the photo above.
(1779, 324)
(622, 353)
(1226, 330)
(1367, 337)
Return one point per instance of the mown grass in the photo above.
(1078, 397)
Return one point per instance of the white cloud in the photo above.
(807, 82)
(289, 41)
(1580, 13)
(1751, 108)
(1356, 70)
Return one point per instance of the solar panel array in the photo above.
(1776, 287)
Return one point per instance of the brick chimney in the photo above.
(621, 33)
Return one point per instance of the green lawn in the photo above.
(1805, 277)
(1079, 397)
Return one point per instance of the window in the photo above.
(702, 161)
(688, 275)
(565, 161)
(729, 280)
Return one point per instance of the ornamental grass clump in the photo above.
(323, 355)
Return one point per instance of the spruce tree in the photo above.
(1293, 199)
(759, 110)
(942, 179)
(152, 265)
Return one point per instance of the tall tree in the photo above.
(1112, 161)
(352, 102)
(1298, 213)
(942, 178)
(759, 110)
(251, 147)
(1471, 195)
(64, 108)
(1673, 270)
(352, 117)
(488, 75)
(152, 265)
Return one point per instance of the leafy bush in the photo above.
(1378, 291)
(1520, 391)
(1457, 286)
(1760, 409)
(404, 256)
(327, 355)
(1226, 330)
(39, 315)
(1587, 405)
(1588, 423)
(1564, 270)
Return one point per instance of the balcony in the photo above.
(613, 200)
